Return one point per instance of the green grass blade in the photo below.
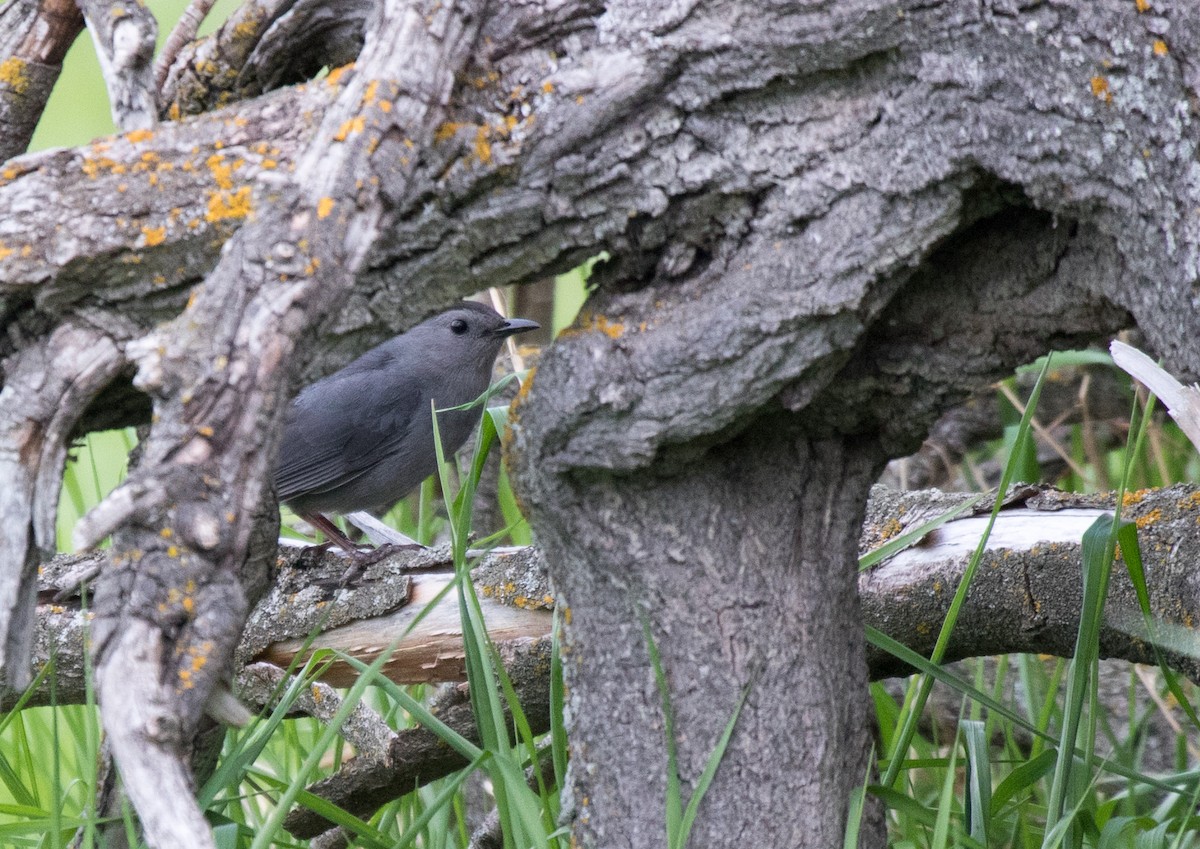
(1023, 777)
(978, 806)
(710, 767)
(907, 540)
(941, 823)
(913, 709)
(674, 800)
(854, 811)
(1099, 542)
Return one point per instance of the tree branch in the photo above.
(124, 32)
(34, 37)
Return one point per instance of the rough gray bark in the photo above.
(826, 224)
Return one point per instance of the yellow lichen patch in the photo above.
(350, 127)
(136, 136)
(222, 171)
(526, 385)
(369, 95)
(172, 551)
(5, 252)
(223, 205)
(1101, 89)
(923, 628)
(1149, 519)
(1192, 502)
(446, 131)
(174, 112)
(311, 267)
(1132, 498)
(483, 149)
(205, 431)
(1142, 5)
(548, 87)
(166, 533)
(154, 235)
(92, 166)
(889, 529)
(325, 206)
(1160, 47)
(14, 74)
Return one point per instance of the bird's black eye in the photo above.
(458, 327)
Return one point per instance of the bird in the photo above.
(362, 438)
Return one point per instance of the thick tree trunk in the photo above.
(743, 565)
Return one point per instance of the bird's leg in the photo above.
(360, 559)
(332, 533)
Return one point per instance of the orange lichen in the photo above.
(1101, 89)
(548, 87)
(1142, 5)
(611, 329)
(222, 172)
(136, 136)
(335, 76)
(350, 127)
(1160, 47)
(5, 252)
(223, 205)
(325, 206)
(1149, 519)
(1132, 498)
(154, 235)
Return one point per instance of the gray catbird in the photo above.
(362, 438)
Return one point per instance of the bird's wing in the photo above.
(342, 431)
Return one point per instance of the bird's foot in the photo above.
(361, 559)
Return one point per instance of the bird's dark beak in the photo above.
(513, 326)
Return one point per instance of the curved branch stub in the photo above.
(48, 386)
(124, 32)
(147, 739)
